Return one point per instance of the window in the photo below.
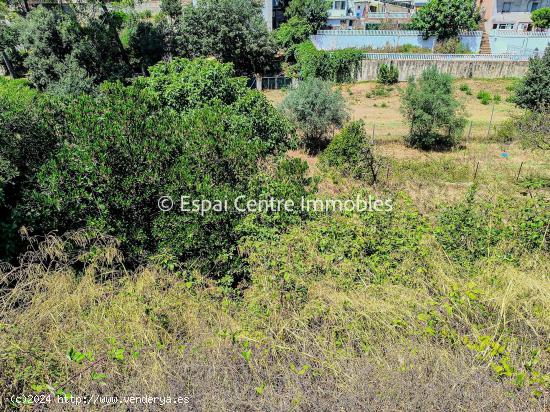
(339, 5)
(506, 6)
(535, 5)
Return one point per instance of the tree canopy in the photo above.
(315, 12)
(533, 91)
(446, 18)
(541, 18)
(229, 30)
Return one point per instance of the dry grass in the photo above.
(339, 349)
(434, 178)
(388, 121)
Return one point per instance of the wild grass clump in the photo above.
(484, 97)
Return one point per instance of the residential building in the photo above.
(357, 13)
(510, 14)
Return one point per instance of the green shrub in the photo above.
(28, 123)
(541, 17)
(534, 129)
(315, 108)
(533, 92)
(496, 98)
(473, 228)
(387, 74)
(351, 152)
(466, 89)
(507, 131)
(484, 96)
(379, 90)
(430, 108)
(191, 129)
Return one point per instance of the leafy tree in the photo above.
(446, 18)
(144, 41)
(127, 146)
(315, 108)
(8, 40)
(431, 109)
(230, 30)
(67, 57)
(351, 151)
(541, 18)
(291, 33)
(172, 8)
(186, 84)
(315, 12)
(534, 90)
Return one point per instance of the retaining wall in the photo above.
(377, 39)
(505, 41)
(458, 69)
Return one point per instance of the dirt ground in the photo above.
(432, 178)
(383, 113)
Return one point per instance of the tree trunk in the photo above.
(8, 64)
(26, 7)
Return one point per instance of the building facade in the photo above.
(510, 14)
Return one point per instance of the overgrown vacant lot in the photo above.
(432, 177)
(441, 304)
(389, 121)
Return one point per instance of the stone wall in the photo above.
(459, 69)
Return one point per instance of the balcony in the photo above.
(388, 16)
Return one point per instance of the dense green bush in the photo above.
(185, 131)
(351, 152)
(387, 74)
(315, 108)
(431, 109)
(144, 41)
(292, 33)
(337, 66)
(472, 229)
(466, 89)
(541, 18)
(484, 97)
(67, 54)
(27, 139)
(533, 92)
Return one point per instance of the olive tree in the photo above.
(432, 111)
(315, 108)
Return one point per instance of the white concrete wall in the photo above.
(377, 39)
